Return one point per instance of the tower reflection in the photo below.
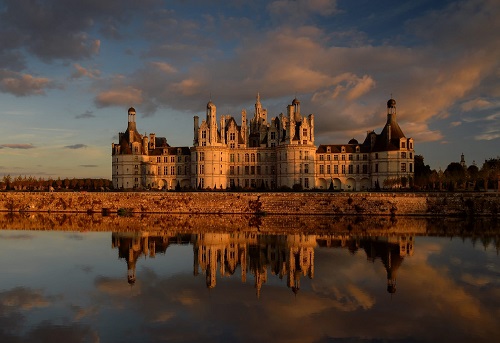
(284, 256)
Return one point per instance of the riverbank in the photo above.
(285, 203)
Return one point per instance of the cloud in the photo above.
(85, 115)
(294, 10)
(122, 96)
(81, 71)
(18, 146)
(75, 146)
(65, 30)
(20, 84)
(24, 298)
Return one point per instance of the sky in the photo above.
(70, 69)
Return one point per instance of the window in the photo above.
(343, 169)
(258, 157)
(172, 159)
(247, 170)
(179, 158)
(403, 155)
(273, 135)
(357, 169)
(202, 156)
(172, 170)
(231, 170)
(252, 170)
(159, 170)
(165, 170)
(329, 157)
(231, 158)
(304, 132)
(306, 155)
(365, 169)
(247, 158)
(376, 168)
(231, 146)
(304, 142)
(342, 157)
(350, 157)
(403, 145)
(351, 169)
(328, 169)
(232, 136)
(321, 169)
(403, 167)
(376, 155)
(258, 170)
(335, 157)
(306, 182)
(411, 167)
(321, 157)
(158, 160)
(203, 134)
(252, 157)
(202, 169)
(411, 155)
(306, 168)
(365, 157)
(179, 170)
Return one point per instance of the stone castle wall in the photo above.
(394, 204)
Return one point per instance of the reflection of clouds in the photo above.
(477, 280)
(23, 298)
(16, 236)
(82, 312)
(15, 306)
(117, 287)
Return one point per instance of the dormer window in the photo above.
(328, 149)
(403, 145)
(343, 149)
(357, 149)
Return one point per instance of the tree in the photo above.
(454, 174)
(422, 172)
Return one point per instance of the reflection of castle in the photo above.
(283, 255)
(391, 250)
(131, 245)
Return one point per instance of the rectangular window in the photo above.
(202, 169)
(273, 135)
(258, 170)
(172, 159)
(252, 170)
(165, 170)
(411, 167)
(350, 169)
(172, 170)
(343, 157)
(231, 158)
(321, 169)
(231, 136)
(179, 170)
(329, 157)
(304, 132)
(306, 182)
(158, 160)
(306, 168)
(306, 155)
(231, 146)
(403, 145)
(247, 170)
(335, 169)
(328, 169)
(179, 158)
(376, 168)
(335, 157)
(403, 155)
(231, 170)
(365, 169)
(321, 157)
(202, 156)
(203, 134)
(403, 167)
(365, 157)
(343, 169)
(350, 157)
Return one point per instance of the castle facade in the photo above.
(262, 154)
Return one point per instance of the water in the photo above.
(244, 279)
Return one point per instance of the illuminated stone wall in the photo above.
(436, 204)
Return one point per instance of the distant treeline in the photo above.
(30, 183)
(458, 177)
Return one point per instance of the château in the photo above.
(262, 154)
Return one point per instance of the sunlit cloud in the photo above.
(18, 146)
(75, 146)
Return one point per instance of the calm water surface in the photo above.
(182, 280)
